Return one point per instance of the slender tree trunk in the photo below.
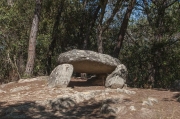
(54, 37)
(123, 28)
(102, 27)
(32, 40)
(99, 39)
(95, 16)
(103, 4)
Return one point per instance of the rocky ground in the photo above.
(32, 99)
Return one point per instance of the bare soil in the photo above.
(25, 94)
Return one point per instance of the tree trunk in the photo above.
(103, 4)
(99, 39)
(54, 37)
(102, 27)
(32, 40)
(95, 16)
(123, 28)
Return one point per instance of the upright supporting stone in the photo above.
(117, 78)
(60, 76)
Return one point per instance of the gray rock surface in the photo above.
(33, 79)
(85, 61)
(115, 82)
(69, 99)
(132, 108)
(150, 101)
(2, 91)
(125, 91)
(117, 78)
(60, 76)
(20, 88)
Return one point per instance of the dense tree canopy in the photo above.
(143, 34)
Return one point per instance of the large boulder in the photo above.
(117, 78)
(85, 61)
(60, 76)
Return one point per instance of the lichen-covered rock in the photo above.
(60, 76)
(150, 101)
(85, 61)
(17, 89)
(115, 82)
(117, 78)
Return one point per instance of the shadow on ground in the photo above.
(78, 83)
(82, 82)
(32, 110)
(177, 97)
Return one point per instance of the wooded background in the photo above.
(143, 34)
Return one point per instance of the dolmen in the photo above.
(109, 70)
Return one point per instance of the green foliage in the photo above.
(146, 55)
(14, 34)
(151, 60)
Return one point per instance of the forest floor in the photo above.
(31, 99)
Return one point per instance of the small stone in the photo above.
(132, 108)
(2, 91)
(150, 101)
(153, 99)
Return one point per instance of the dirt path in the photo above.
(31, 99)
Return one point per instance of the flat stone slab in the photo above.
(85, 61)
